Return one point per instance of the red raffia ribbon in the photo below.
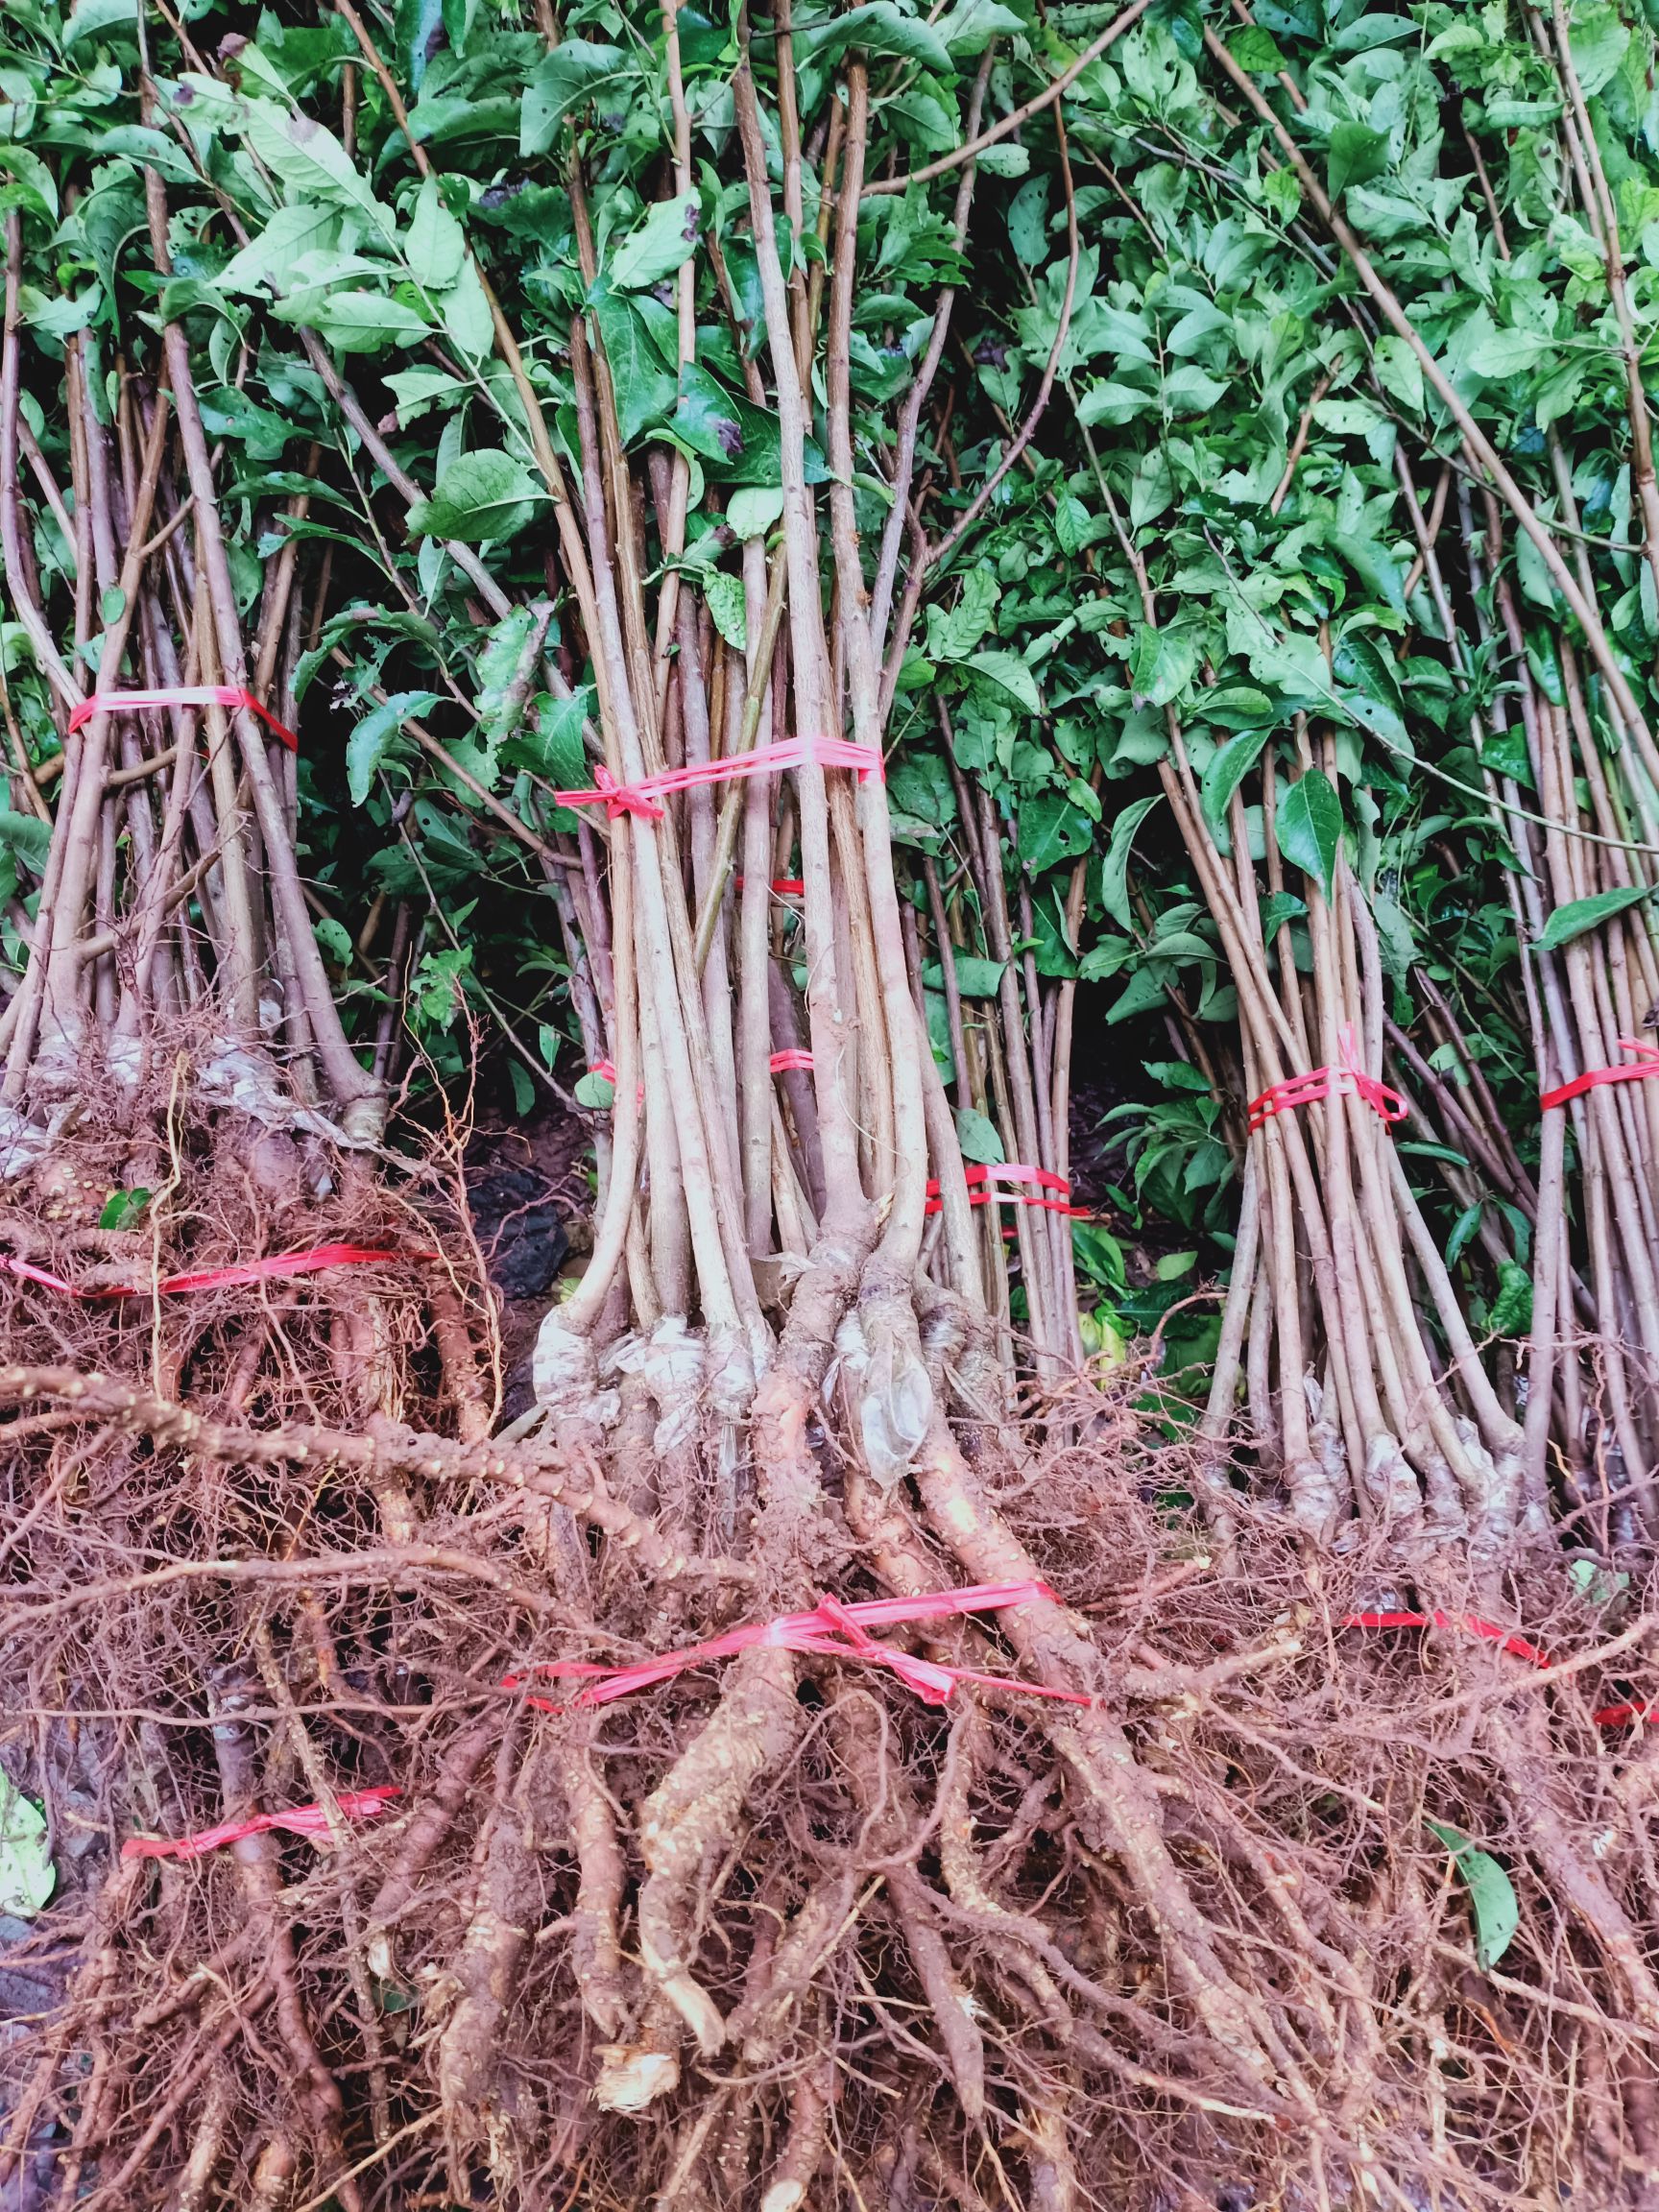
(982, 1192)
(1471, 1625)
(297, 1820)
(783, 886)
(830, 1630)
(795, 1057)
(1323, 1082)
(606, 1071)
(280, 1268)
(1647, 1057)
(642, 798)
(180, 695)
(1623, 1715)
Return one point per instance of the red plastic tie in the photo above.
(783, 886)
(640, 798)
(1323, 1082)
(982, 1192)
(783, 1062)
(180, 695)
(1622, 1715)
(281, 1267)
(1646, 1064)
(830, 1630)
(297, 1820)
(605, 1069)
(1469, 1622)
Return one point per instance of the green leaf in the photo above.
(1309, 825)
(26, 836)
(1398, 371)
(970, 28)
(1029, 222)
(435, 245)
(978, 1138)
(1164, 664)
(1580, 915)
(308, 228)
(658, 246)
(334, 938)
(1113, 404)
(1191, 390)
(355, 322)
(1114, 874)
(1227, 770)
(578, 70)
(978, 979)
(1100, 1255)
(480, 498)
(1073, 525)
(498, 668)
(727, 604)
(552, 744)
(369, 743)
(523, 1089)
(467, 318)
(1051, 830)
(1506, 354)
(27, 1877)
(1597, 40)
(310, 162)
(1255, 51)
(750, 512)
(34, 184)
(1278, 908)
(1145, 993)
(1355, 155)
(1596, 1586)
(1010, 674)
(1491, 1893)
(419, 30)
(595, 1091)
(644, 383)
(1512, 1314)
(879, 28)
(122, 1209)
(93, 18)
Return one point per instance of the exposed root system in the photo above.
(787, 1934)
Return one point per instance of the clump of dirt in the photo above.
(529, 1194)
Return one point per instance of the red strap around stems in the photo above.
(1647, 1058)
(180, 695)
(299, 1820)
(785, 886)
(794, 1057)
(830, 1630)
(280, 1268)
(1323, 1082)
(982, 1192)
(642, 798)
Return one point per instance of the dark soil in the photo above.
(530, 1196)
